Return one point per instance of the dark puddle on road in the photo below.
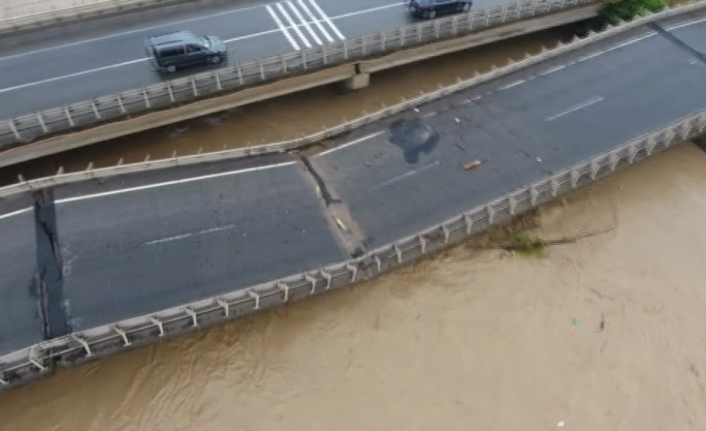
(413, 137)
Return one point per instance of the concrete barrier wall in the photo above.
(71, 126)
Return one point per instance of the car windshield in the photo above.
(206, 41)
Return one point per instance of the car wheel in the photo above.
(466, 7)
(171, 68)
(215, 59)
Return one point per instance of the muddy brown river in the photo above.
(605, 332)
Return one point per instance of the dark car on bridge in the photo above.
(172, 51)
(432, 8)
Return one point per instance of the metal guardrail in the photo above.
(345, 126)
(37, 13)
(38, 360)
(26, 128)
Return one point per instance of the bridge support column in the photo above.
(358, 81)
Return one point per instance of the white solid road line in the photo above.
(299, 17)
(585, 104)
(14, 213)
(348, 144)
(316, 22)
(172, 183)
(305, 23)
(286, 16)
(327, 19)
(405, 175)
(282, 28)
(71, 75)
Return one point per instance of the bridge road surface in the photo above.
(523, 127)
(50, 68)
(137, 244)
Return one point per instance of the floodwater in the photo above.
(605, 332)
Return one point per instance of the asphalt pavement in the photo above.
(136, 244)
(54, 67)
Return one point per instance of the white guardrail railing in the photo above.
(38, 360)
(18, 15)
(345, 126)
(26, 128)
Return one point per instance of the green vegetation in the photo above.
(525, 244)
(615, 11)
(625, 10)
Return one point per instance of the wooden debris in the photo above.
(473, 164)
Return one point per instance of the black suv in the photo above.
(172, 51)
(432, 8)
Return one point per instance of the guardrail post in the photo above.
(123, 334)
(285, 289)
(219, 87)
(193, 87)
(403, 31)
(171, 92)
(534, 194)
(419, 32)
(2, 380)
(262, 70)
(146, 98)
(382, 41)
(324, 52)
(423, 243)
(194, 318)
(632, 153)
(345, 49)
(41, 122)
(398, 252)
(512, 204)
(159, 325)
(555, 187)
(534, 7)
(502, 19)
(240, 75)
(363, 45)
(470, 22)
(446, 232)
(68, 116)
(83, 343)
(487, 16)
(454, 25)
(96, 112)
(437, 28)
(469, 223)
(594, 169)
(311, 281)
(34, 361)
(254, 295)
(491, 214)
(119, 97)
(225, 305)
(614, 160)
(328, 279)
(283, 60)
(11, 123)
(354, 271)
(378, 262)
(303, 51)
(574, 178)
